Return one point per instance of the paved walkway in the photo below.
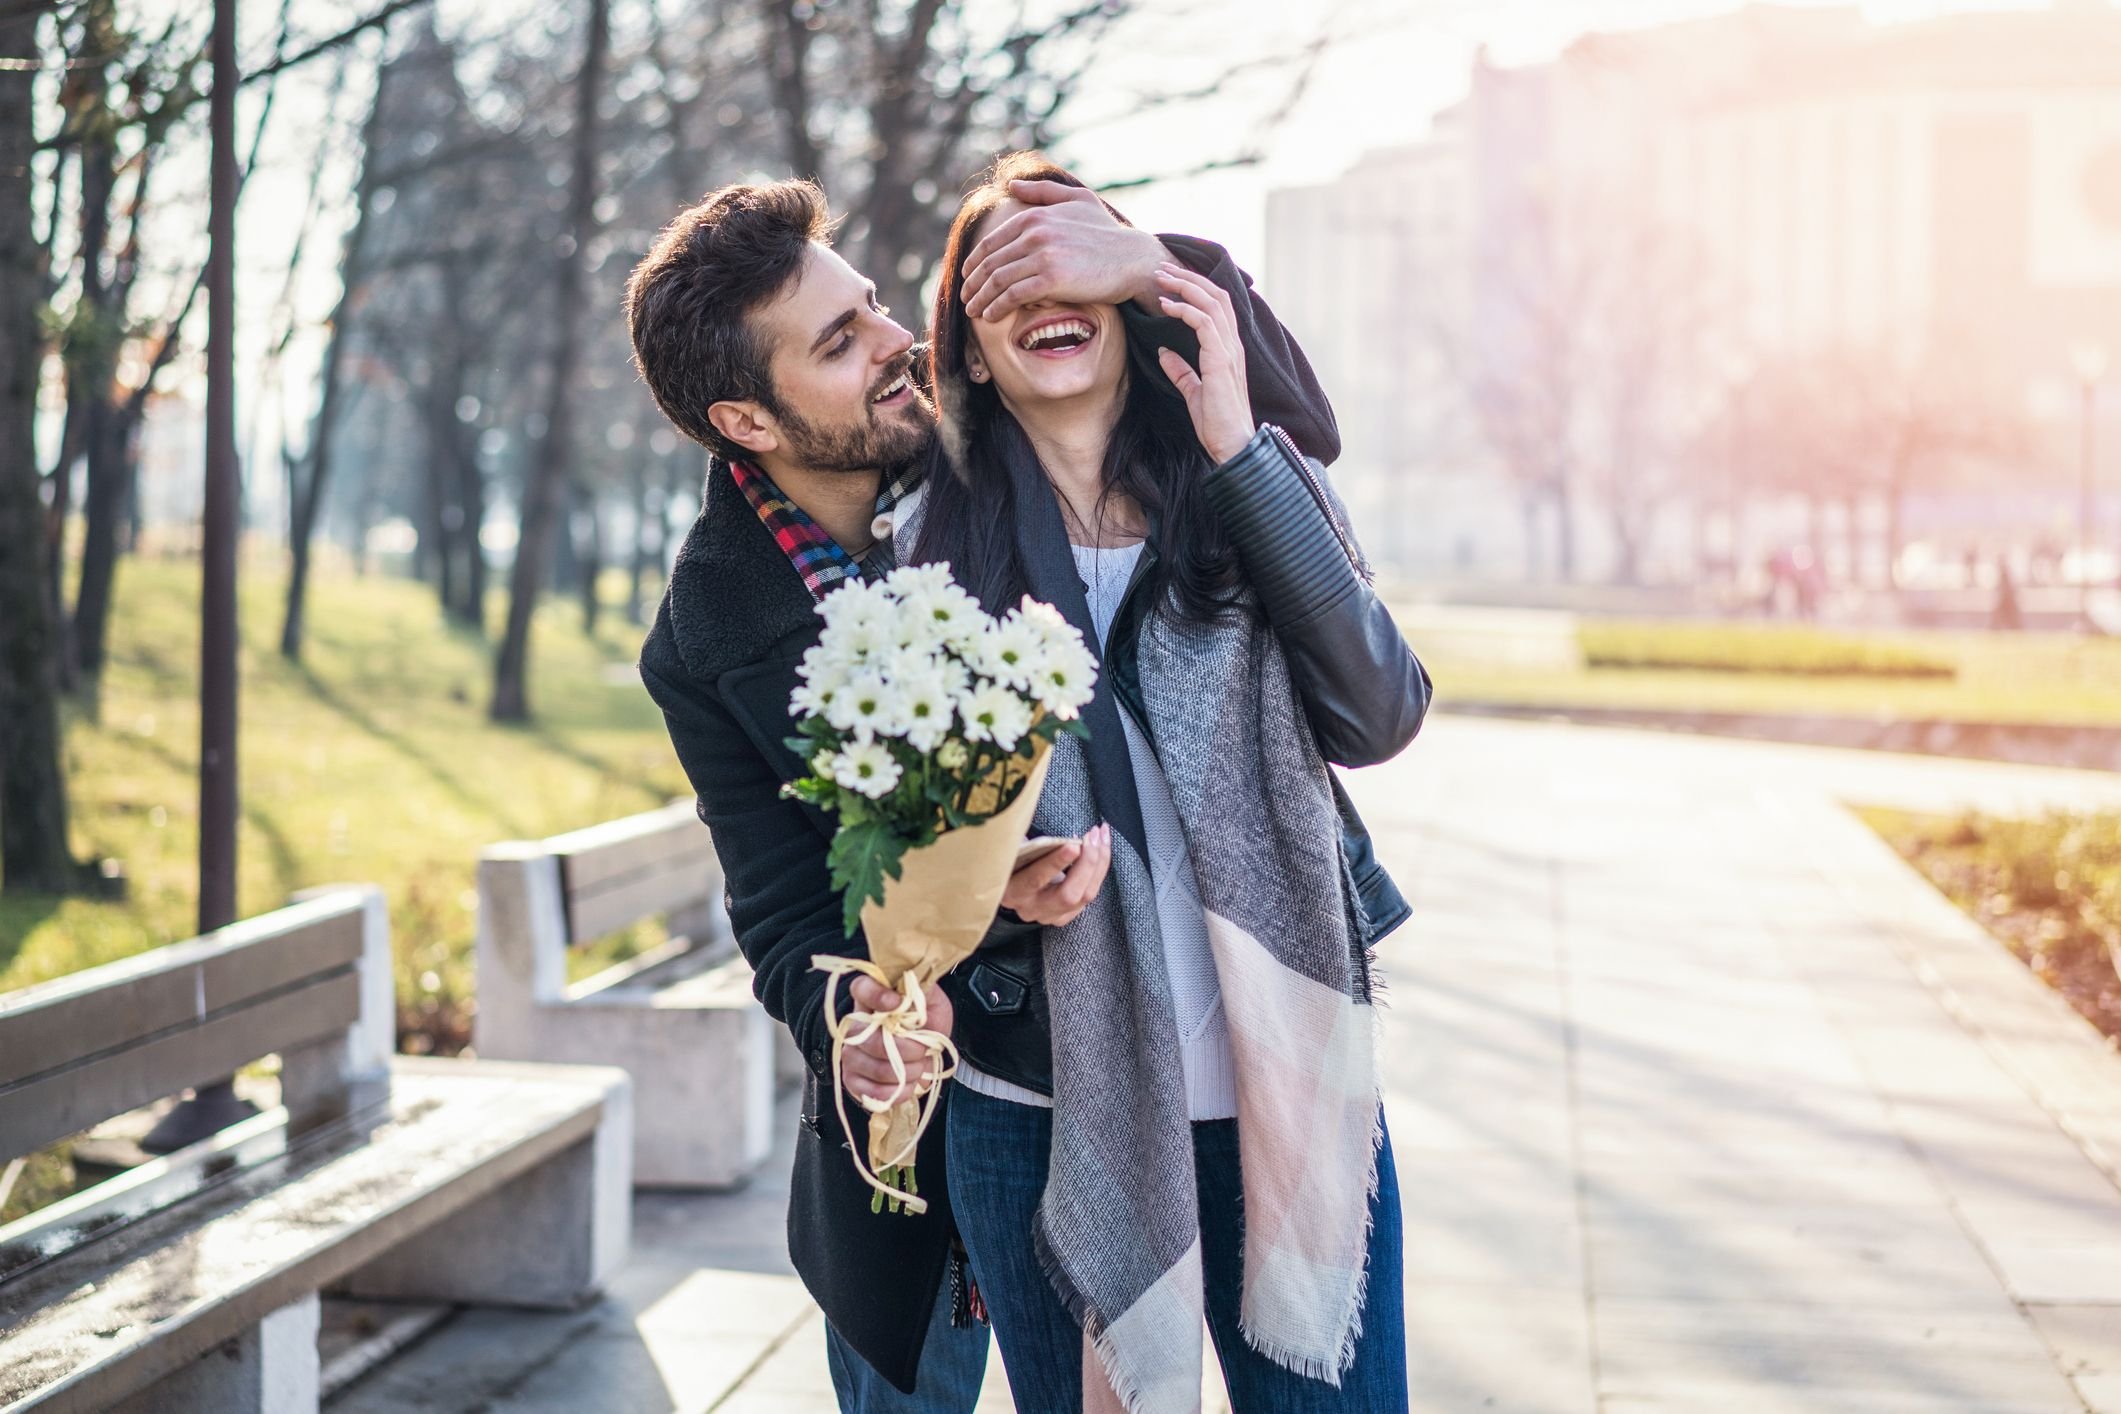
(1701, 1102)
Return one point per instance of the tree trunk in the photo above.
(639, 570)
(1852, 532)
(1815, 529)
(105, 507)
(1564, 530)
(1528, 505)
(567, 546)
(431, 555)
(303, 506)
(92, 360)
(33, 836)
(55, 514)
(455, 524)
(470, 499)
(1627, 544)
(511, 685)
(222, 519)
(592, 558)
(1895, 525)
(788, 67)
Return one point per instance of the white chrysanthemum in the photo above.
(868, 706)
(824, 670)
(944, 616)
(867, 767)
(992, 712)
(1011, 651)
(860, 619)
(908, 580)
(860, 637)
(953, 755)
(1044, 616)
(926, 707)
(1065, 681)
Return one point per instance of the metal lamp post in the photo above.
(2090, 361)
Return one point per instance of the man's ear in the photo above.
(746, 424)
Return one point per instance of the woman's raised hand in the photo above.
(1215, 393)
(1055, 887)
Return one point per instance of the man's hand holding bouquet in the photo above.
(927, 723)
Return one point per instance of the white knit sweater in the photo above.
(1196, 997)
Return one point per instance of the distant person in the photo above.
(1808, 578)
(2006, 616)
(1781, 583)
(759, 342)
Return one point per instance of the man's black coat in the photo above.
(720, 661)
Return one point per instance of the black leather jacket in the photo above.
(1363, 689)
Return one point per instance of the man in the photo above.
(762, 344)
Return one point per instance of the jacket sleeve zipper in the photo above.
(1318, 494)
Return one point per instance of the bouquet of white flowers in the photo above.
(927, 724)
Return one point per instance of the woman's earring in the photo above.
(979, 375)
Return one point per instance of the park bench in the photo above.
(192, 1282)
(706, 1060)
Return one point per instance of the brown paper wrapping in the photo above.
(939, 908)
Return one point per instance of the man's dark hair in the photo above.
(689, 301)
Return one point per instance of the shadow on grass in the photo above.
(284, 860)
(20, 913)
(639, 780)
(403, 745)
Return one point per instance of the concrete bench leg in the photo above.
(547, 1239)
(269, 1369)
(706, 1082)
(703, 1082)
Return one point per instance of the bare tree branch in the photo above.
(324, 46)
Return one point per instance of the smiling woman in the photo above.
(1057, 375)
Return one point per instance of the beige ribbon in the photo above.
(908, 1020)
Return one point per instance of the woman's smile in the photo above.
(1057, 336)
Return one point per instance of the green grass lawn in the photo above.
(1786, 650)
(2049, 678)
(2049, 889)
(371, 761)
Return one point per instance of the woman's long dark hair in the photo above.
(1153, 455)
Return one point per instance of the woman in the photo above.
(1168, 1106)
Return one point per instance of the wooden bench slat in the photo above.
(54, 1024)
(620, 904)
(88, 1328)
(618, 847)
(54, 1104)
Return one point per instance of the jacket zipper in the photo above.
(1318, 494)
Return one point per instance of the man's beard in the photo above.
(869, 445)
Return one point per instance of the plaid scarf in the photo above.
(817, 557)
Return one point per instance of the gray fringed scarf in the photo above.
(1118, 1231)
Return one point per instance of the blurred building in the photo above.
(1789, 181)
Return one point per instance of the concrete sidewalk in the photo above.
(1700, 1099)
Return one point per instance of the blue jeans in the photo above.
(997, 1157)
(953, 1366)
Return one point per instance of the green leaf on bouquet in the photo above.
(863, 854)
